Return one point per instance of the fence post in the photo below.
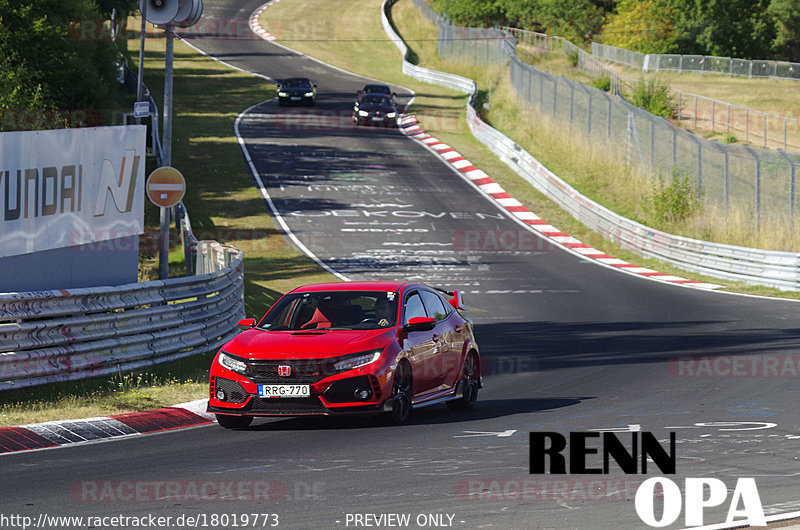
(571, 104)
(746, 125)
(791, 181)
(589, 118)
(653, 142)
(765, 129)
(713, 114)
(757, 186)
(728, 126)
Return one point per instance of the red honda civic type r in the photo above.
(360, 347)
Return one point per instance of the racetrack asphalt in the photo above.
(568, 346)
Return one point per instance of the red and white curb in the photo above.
(256, 26)
(67, 432)
(410, 127)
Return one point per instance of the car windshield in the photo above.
(297, 83)
(335, 310)
(376, 100)
(377, 89)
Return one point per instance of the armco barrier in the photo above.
(50, 336)
(761, 267)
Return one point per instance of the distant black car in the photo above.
(383, 90)
(298, 91)
(375, 109)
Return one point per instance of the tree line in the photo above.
(48, 64)
(747, 29)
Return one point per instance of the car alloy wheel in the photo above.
(234, 422)
(469, 385)
(401, 393)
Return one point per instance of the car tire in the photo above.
(233, 422)
(470, 382)
(402, 384)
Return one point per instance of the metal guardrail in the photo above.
(51, 336)
(770, 268)
(65, 335)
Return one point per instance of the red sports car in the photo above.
(361, 347)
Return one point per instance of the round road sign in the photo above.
(165, 186)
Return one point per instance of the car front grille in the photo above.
(301, 371)
(287, 406)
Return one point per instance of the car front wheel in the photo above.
(401, 394)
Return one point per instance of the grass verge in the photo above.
(305, 26)
(223, 205)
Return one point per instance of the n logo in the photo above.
(122, 186)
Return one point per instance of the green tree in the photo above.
(44, 66)
(576, 20)
(727, 28)
(786, 16)
(484, 13)
(646, 26)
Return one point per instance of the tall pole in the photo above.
(163, 243)
(140, 79)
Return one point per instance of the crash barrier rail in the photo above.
(52, 336)
(758, 182)
(770, 268)
(693, 110)
(66, 335)
(664, 62)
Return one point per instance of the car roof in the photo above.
(378, 86)
(354, 286)
(296, 79)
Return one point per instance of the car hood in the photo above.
(317, 344)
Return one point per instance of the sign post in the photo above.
(165, 188)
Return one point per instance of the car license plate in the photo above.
(283, 391)
(295, 98)
(376, 118)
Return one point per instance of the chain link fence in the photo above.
(697, 63)
(696, 112)
(759, 182)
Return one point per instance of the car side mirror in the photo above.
(420, 324)
(247, 323)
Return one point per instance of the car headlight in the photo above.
(283, 94)
(309, 94)
(363, 113)
(357, 362)
(391, 115)
(234, 365)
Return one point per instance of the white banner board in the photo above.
(69, 187)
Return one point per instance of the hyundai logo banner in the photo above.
(68, 187)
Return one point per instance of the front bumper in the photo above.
(338, 397)
(293, 99)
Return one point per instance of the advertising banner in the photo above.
(70, 187)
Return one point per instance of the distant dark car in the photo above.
(383, 90)
(374, 109)
(297, 91)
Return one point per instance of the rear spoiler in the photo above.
(457, 301)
